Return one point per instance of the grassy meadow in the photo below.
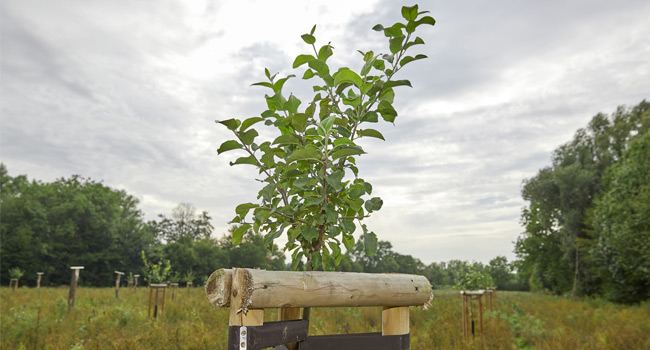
(38, 319)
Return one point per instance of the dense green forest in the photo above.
(586, 228)
(587, 222)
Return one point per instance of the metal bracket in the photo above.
(243, 343)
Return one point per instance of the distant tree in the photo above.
(50, 226)
(184, 224)
(621, 226)
(252, 251)
(560, 196)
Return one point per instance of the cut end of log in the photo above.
(217, 288)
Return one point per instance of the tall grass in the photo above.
(38, 319)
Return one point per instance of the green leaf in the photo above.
(370, 243)
(371, 133)
(249, 122)
(347, 151)
(286, 139)
(299, 121)
(370, 117)
(342, 141)
(320, 67)
(426, 20)
(345, 75)
(245, 160)
(334, 180)
(277, 87)
(378, 28)
(408, 59)
(304, 154)
(244, 208)
(326, 124)
(292, 104)
(348, 242)
(325, 52)
(309, 233)
(301, 182)
(379, 64)
(228, 145)
(313, 29)
(302, 59)
(393, 83)
(238, 234)
(410, 13)
(308, 74)
(308, 38)
(231, 124)
(373, 204)
(248, 136)
(417, 41)
(393, 32)
(396, 44)
(348, 226)
(265, 84)
(387, 111)
(331, 216)
(356, 191)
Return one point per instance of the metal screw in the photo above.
(243, 345)
(243, 332)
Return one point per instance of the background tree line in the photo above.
(587, 224)
(51, 226)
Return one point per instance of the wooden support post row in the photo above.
(73, 285)
(13, 283)
(248, 292)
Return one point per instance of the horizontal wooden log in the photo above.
(217, 288)
(261, 289)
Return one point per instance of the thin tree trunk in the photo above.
(576, 275)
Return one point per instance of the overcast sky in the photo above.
(127, 92)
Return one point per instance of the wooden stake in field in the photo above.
(173, 290)
(468, 310)
(117, 284)
(38, 279)
(13, 283)
(155, 292)
(73, 285)
(189, 284)
(135, 285)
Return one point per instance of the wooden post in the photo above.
(240, 315)
(73, 286)
(189, 284)
(395, 320)
(173, 290)
(117, 284)
(135, 285)
(464, 315)
(38, 280)
(480, 312)
(154, 296)
(13, 282)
